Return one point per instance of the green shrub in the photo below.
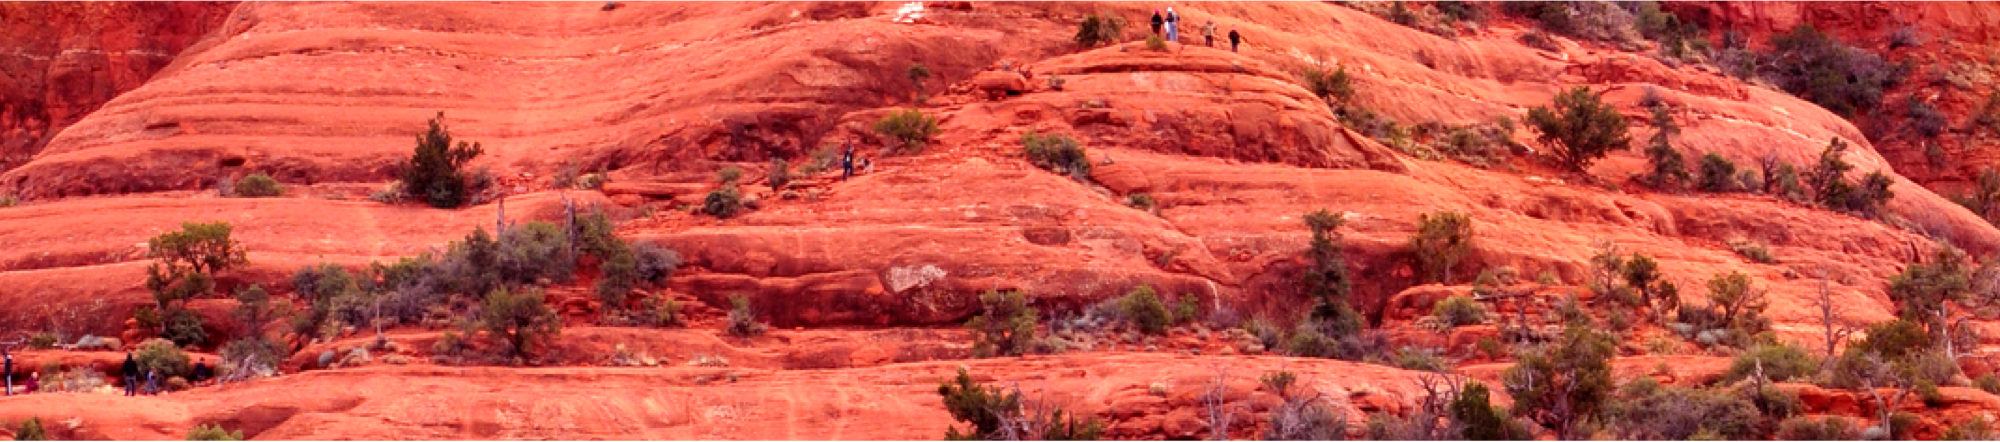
(1420, 359)
(1005, 325)
(257, 185)
(742, 320)
(986, 410)
(1779, 362)
(1753, 251)
(620, 274)
(1325, 83)
(655, 263)
(184, 327)
(1142, 201)
(1143, 308)
(1841, 78)
(31, 429)
(1562, 385)
(520, 320)
(435, 170)
(1718, 174)
(1097, 29)
(1976, 428)
(1057, 153)
(1824, 428)
(723, 202)
(780, 174)
(1187, 308)
(1668, 166)
(213, 432)
(1989, 383)
(42, 341)
(163, 356)
(1479, 419)
(250, 357)
(1579, 127)
(910, 129)
(535, 251)
(1459, 310)
(1442, 240)
(1646, 411)
(1156, 43)
(1267, 334)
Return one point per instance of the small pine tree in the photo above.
(434, 171)
(1718, 174)
(520, 320)
(1580, 127)
(1005, 325)
(1442, 240)
(1669, 167)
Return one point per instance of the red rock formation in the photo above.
(64, 59)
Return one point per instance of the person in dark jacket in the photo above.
(201, 372)
(1158, 21)
(4, 354)
(1234, 39)
(847, 161)
(131, 372)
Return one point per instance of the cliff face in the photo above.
(65, 59)
(1949, 47)
(1227, 149)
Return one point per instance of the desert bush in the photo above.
(1326, 280)
(31, 429)
(654, 262)
(1976, 428)
(1814, 66)
(1143, 308)
(1564, 384)
(1156, 43)
(1668, 166)
(435, 170)
(1267, 334)
(1187, 308)
(536, 251)
(1442, 240)
(1300, 416)
(1325, 83)
(1989, 383)
(1927, 120)
(520, 320)
(780, 174)
(1097, 29)
(1823, 428)
(1420, 359)
(257, 185)
(1005, 325)
(1142, 201)
(250, 358)
(1752, 250)
(1922, 289)
(1579, 127)
(1459, 310)
(620, 274)
(742, 320)
(161, 355)
(723, 202)
(910, 129)
(1645, 411)
(1718, 174)
(993, 414)
(1778, 362)
(213, 432)
(1057, 153)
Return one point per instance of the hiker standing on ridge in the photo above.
(1157, 22)
(131, 372)
(1208, 33)
(1173, 25)
(9, 356)
(1234, 39)
(152, 382)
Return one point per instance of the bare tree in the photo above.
(1876, 375)
(1829, 315)
(1215, 403)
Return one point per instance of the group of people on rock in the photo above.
(1171, 24)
